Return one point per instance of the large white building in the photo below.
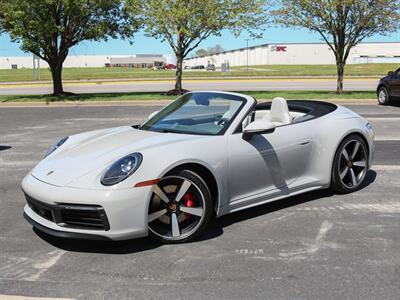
(300, 54)
(81, 61)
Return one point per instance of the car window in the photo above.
(197, 113)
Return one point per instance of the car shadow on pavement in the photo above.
(215, 229)
(107, 247)
(2, 148)
(267, 208)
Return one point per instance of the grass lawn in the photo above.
(373, 70)
(260, 95)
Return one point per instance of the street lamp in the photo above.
(247, 50)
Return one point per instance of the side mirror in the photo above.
(152, 114)
(258, 127)
(391, 73)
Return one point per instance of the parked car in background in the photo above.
(389, 88)
(210, 67)
(199, 67)
(169, 66)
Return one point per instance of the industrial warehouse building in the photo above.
(138, 61)
(81, 61)
(266, 54)
(299, 54)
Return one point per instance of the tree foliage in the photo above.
(210, 50)
(49, 28)
(342, 24)
(184, 24)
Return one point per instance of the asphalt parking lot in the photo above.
(313, 246)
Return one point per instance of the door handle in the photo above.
(304, 143)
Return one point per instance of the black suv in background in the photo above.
(389, 88)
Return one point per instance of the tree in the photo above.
(216, 49)
(342, 23)
(201, 52)
(210, 50)
(49, 28)
(184, 24)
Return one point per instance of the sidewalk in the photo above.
(186, 79)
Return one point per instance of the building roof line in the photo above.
(283, 43)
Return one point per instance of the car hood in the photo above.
(86, 152)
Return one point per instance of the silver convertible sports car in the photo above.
(204, 155)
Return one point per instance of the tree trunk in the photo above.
(340, 75)
(56, 72)
(178, 73)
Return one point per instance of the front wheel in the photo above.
(350, 165)
(180, 208)
(383, 96)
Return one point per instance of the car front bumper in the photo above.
(125, 210)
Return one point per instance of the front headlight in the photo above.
(56, 146)
(122, 169)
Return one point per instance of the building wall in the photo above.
(299, 54)
(72, 61)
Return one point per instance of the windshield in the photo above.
(197, 113)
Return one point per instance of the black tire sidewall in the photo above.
(336, 184)
(208, 207)
(387, 99)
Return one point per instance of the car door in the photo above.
(267, 162)
(394, 84)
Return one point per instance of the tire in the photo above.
(383, 96)
(350, 165)
(180, 208)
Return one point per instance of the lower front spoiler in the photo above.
(64, 234)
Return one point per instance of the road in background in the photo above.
(226, 85)
(313, 246)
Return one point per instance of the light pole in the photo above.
(247, 50)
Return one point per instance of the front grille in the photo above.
(40, 208)
(71, 215)
(86, 216)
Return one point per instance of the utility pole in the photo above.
(36, 74)
(34, 67)
(247, 49)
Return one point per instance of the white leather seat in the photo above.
(279, 113)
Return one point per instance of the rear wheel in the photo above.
(383, 96)
(350, 165)
(180, 208)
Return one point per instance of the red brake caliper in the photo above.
(189, 202)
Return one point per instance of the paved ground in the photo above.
(314, 246)
(231, 85)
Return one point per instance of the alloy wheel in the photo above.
(177, 208)
(352, 164)
(382, 96)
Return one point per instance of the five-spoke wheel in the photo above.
(180, 207)
(350, 165)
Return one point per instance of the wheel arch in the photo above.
(206, 174)
(354, 132)
(383, 84)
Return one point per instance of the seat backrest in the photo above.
(280, 111)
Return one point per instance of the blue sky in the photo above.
(145, 45)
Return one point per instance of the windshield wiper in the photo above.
(165, 130)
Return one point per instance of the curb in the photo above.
(150, 103)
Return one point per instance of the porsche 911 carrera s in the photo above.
(204, 155)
